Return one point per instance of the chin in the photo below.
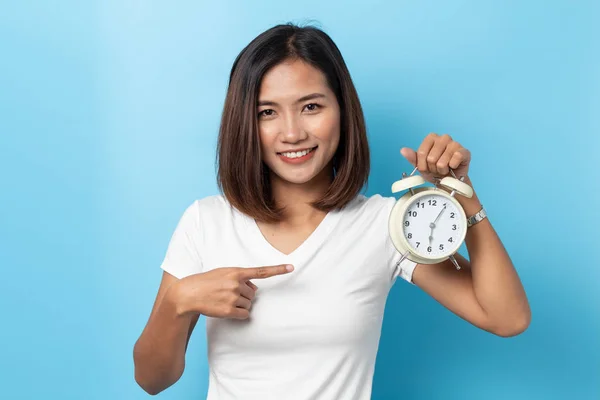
(297, 179)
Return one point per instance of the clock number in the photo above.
(454, 227)
(420, 205)
(429, 249)
(410, 235)
(450, 240)
(418, 243)
(451, 215)
(406, 223)
(433, 202)
(441, 247)
(412, 213)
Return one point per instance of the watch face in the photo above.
(433, 226)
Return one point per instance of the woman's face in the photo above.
(299, 122)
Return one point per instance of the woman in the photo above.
(291, 265)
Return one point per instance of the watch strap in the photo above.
(478, 217)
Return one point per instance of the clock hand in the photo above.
(432, 225)
(439, 215)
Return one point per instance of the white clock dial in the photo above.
(432, 226)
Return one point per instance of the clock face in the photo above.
(433, 226)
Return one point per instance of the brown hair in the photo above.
(242, 176)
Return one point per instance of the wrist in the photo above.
(177, 296)
(470, 205)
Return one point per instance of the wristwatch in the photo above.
(480, 216)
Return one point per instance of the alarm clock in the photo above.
(427, 224)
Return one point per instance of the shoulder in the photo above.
(201, 211)
(375, 203)
(212, 206)
(211, 203)
(367, 211)
(215, 212)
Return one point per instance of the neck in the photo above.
(297, 198)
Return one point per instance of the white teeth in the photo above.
(297, 154)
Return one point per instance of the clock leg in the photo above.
(412, 192)
(454, 262)
(403, 257)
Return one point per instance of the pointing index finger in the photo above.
(266, 272)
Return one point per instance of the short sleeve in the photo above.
(182, 257)
(402, 269)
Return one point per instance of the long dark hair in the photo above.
(242, 176)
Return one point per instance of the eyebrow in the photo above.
(300, 100)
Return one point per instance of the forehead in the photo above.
(292, 79)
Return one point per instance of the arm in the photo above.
(159, 353)
(486, 291)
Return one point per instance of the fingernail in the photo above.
(289, 268)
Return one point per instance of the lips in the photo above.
(298, 160)
(295, 151)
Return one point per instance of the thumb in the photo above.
(410, 155)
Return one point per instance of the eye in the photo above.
(266, 113)
(312, 107)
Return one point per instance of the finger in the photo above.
(252, 285)
(410, 155)
(459, 157)
(247, 291)
(423, 151)
(239, 313)
(265, 272)
(243, 302)
(443, 162)
(439, 147)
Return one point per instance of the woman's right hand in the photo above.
(223, 292)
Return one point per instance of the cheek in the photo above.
(327, 128)
(267, 136)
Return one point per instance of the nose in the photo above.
(293, 131)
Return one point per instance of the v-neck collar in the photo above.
(312, 241)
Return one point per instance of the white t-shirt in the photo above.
(313, 333)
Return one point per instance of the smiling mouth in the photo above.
(297, 154)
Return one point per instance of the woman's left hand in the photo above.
(436, 155)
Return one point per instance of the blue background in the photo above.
(109, 113)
